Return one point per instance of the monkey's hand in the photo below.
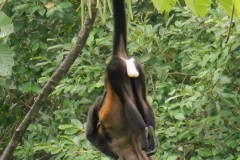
(149, 142)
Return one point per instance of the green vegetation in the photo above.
(193, 78)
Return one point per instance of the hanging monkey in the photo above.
(121, 123)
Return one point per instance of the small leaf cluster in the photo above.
(198, 7)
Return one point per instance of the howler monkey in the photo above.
(121, 123)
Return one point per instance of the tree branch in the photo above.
(51, 84)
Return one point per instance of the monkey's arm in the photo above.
(139, 89)
(100, 141)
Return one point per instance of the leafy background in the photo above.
(193, 77)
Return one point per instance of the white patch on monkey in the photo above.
(131, 68)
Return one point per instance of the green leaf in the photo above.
(6, 60)
(179, 116)
(55, 150)
(171, 98)
(41, 10)
(71, 131)
(216, 76)
(42, 63)
(65, 126)
(227, 6)
(199, 7)
(6, 26)
(60, 156)
(172, 157)
(40, 147)
(205, 60)
(238, 157)
(77, 123)
(29, 87)
(224, 80)
(237, 7)
(6, 55)
(164, 5)
(204, 152)
(63, 5)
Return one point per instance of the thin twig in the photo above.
(179, 73)
(23, 103)
(230, 26)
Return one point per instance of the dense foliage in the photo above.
(198, 7)
(199, 118)
(193, 80)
